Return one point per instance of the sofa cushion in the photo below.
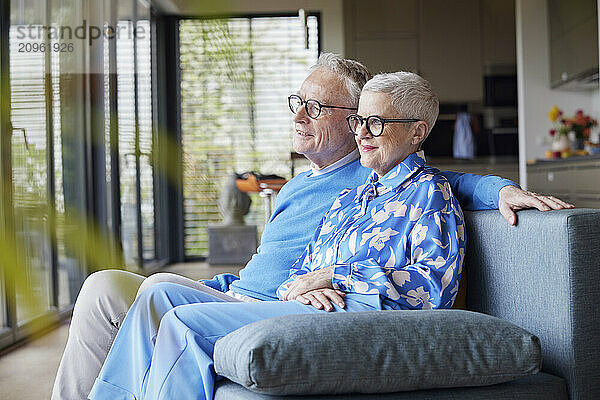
(376, 352)
(534, 387)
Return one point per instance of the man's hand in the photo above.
(513, 198)
(319, 279)
(322, 298)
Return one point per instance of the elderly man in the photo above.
(327, 96)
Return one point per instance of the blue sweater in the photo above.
(299, 208)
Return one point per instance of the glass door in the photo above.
(39, 276)
(29, 108)
(78, 187)
(136, 133)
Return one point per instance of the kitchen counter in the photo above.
(506, 167)
(549, 161)
(574, 179)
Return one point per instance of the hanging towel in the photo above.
(464, 146)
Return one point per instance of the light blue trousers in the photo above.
(164, 349)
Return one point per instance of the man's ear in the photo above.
(420, 132)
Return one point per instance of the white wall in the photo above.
(332, 23)
(533, 82)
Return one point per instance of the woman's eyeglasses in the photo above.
(375, 123)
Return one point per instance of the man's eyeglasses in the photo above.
(313, 107)
(375, 123)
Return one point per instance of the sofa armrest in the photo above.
(376, 352)
(543, 275)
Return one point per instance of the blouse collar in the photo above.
(401, 172)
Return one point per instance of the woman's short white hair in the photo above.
(412, 96)
(354, 74)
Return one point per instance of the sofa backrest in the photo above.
(544, 276)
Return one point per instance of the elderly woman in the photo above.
(396, 242)
(399, 237)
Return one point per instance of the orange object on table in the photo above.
(253, 184)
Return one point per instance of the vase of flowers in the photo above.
(559, 132)
(570, 132)
(560, 142)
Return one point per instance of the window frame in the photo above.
(7, 332)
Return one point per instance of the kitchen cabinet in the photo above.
(576, 180)
(447, 42)
(573, 36)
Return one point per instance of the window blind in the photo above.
(126, 95)
(126, 126)
(29, 167)
(108, 146)
(236, 74)
(67, 264)
(144, 96)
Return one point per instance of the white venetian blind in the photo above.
(144, 96)
(29, 166)
(236, 74)
(126, 95)
(126, 126)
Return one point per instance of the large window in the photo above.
(236, 74)
(29, 155)
(76, 152)
(134, 89)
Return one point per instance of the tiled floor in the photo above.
(28, 372)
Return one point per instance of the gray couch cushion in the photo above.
(376, 352)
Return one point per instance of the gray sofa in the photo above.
(542, 275)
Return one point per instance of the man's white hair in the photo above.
(354, 74)
(412, 96)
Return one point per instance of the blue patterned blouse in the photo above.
(401, 238)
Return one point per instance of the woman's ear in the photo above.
(420, 132)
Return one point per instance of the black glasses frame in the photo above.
(312, 101)
(376, 117)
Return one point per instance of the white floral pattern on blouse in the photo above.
(401, 237)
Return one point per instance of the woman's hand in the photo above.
(319, 279)
(322, 298)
